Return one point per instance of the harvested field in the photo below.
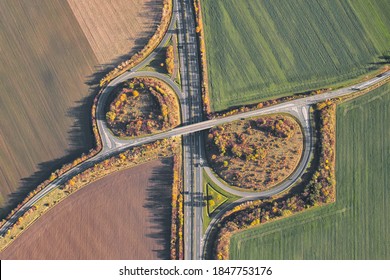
(117, 28)
(44, 101)
(125, 215)
(255, 154)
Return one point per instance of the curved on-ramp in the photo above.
(303, 116)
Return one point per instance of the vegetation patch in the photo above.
(356, 226)
(214, 199)
(142, 106)
(255, 154)
(177, 225)
(267, 49)
(230, 199)
(318, 191)
(170, 59)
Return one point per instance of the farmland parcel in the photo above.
(117, 29)
(44, 107)
(263, 49)
(357, 226)
(49, 52)
(125, 215)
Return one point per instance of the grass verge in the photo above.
(227, 198)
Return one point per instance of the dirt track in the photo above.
(123, 216)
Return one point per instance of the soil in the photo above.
(126, 215)
(116, 29)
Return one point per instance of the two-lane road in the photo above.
(189, 66)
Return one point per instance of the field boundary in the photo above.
(203, 57)
(124, 160)
(149, 47)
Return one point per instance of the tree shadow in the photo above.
(80, 139)
(383, 60)
(80, 136)
(158, 203)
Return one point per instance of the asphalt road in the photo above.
(121, 145)
(303, 115)
(161, 45)
(193, 124)
(189, 67)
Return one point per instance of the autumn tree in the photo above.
(110, 116)
(169, 60)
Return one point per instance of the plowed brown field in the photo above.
(46, 62)
(116, 28)
(123, 216)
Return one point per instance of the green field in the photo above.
(357, 226)
(263, 49)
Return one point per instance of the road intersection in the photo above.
(191, 129)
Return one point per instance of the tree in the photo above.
(236, 150)
(110, 116)
(169, 60)
(123, 97)
(52, 176)
(164, 110)
(135, 93)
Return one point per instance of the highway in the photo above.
(161, 45)
(189, 67)
(189, 96)
(119, 145)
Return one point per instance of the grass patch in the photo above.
(357, 225)
(266, 49)
(158, 63)
(214, 199)
(209, 188)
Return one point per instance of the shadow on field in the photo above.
(384, 59)
(80, 139)
(158, 203)
(80, 136)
